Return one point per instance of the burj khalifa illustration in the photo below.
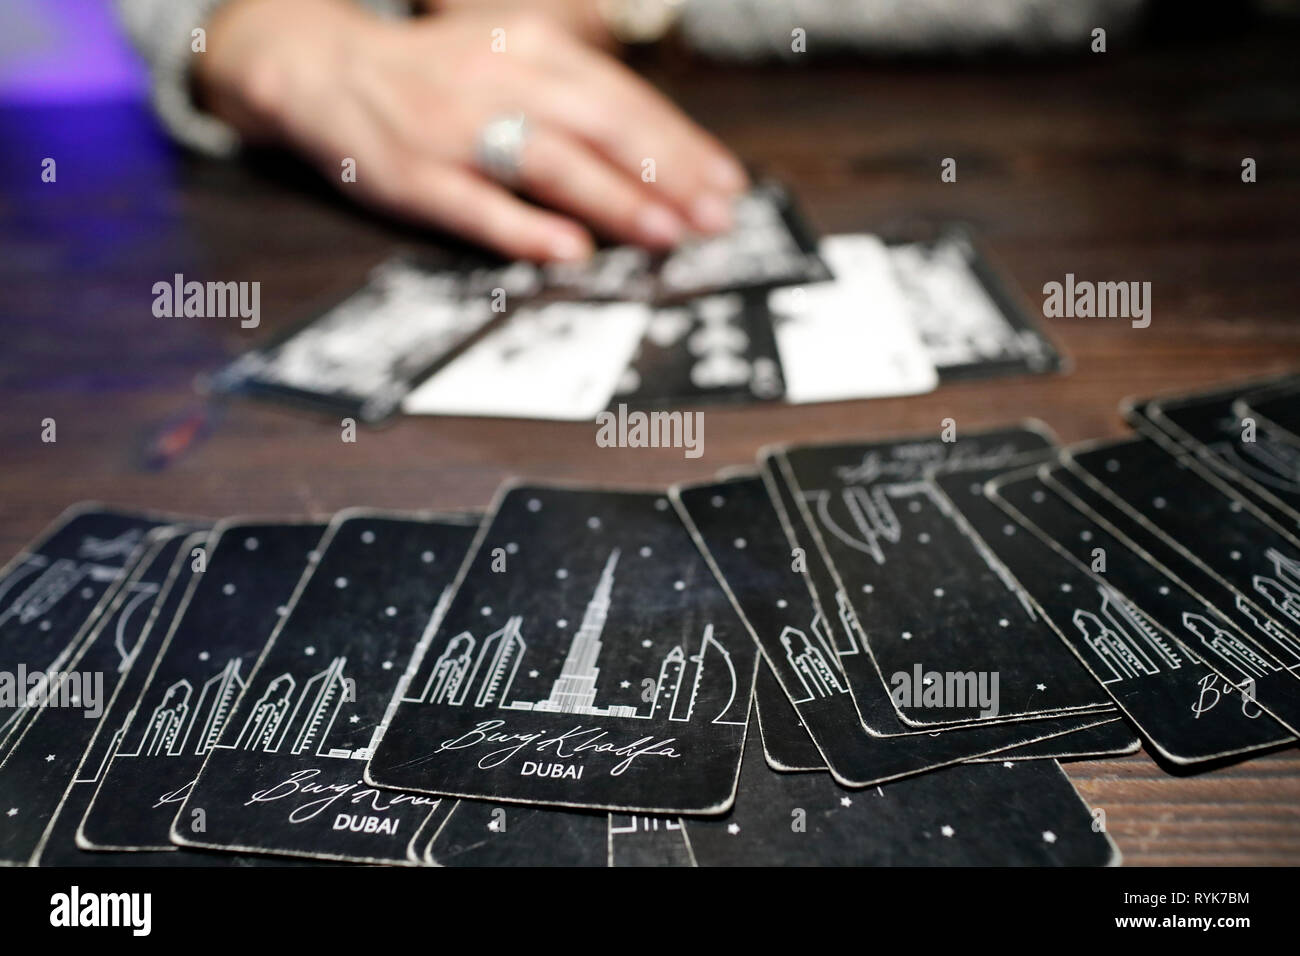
(682, 679)
(574, 691)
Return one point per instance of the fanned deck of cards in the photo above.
(870, 652)
(768, 312)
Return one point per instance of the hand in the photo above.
(407, 99)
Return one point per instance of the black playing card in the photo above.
(229, 612)
(1181, 706)
(360, 356)
(997, 814)
(46, 752)
(1261, 466)
(285, 775)
(1181, 569)
(717, 348)
(587, 659)
(1250, 559)
(872, 700)
(737, 528)
(928, 594)
(768, 245)
(1174, 590)
(58, 845)
(970, 322)
(53, 592)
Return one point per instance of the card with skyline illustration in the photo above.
(285, 776)
(251, 569)
(587, 659)
(925, 590)
(53, 591)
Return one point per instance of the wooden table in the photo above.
(1113, 167)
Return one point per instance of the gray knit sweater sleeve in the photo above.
(765, 29)
(163, 32)
(731, 29)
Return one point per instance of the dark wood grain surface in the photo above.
(1114, 167)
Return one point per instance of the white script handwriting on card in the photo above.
(571, 743)
(1214, 688)
(299, 784)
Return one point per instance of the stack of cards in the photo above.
(766, 312)
(861, 653)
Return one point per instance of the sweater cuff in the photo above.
(166, 41)
(171, 57)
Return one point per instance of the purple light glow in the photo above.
(59, 51)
